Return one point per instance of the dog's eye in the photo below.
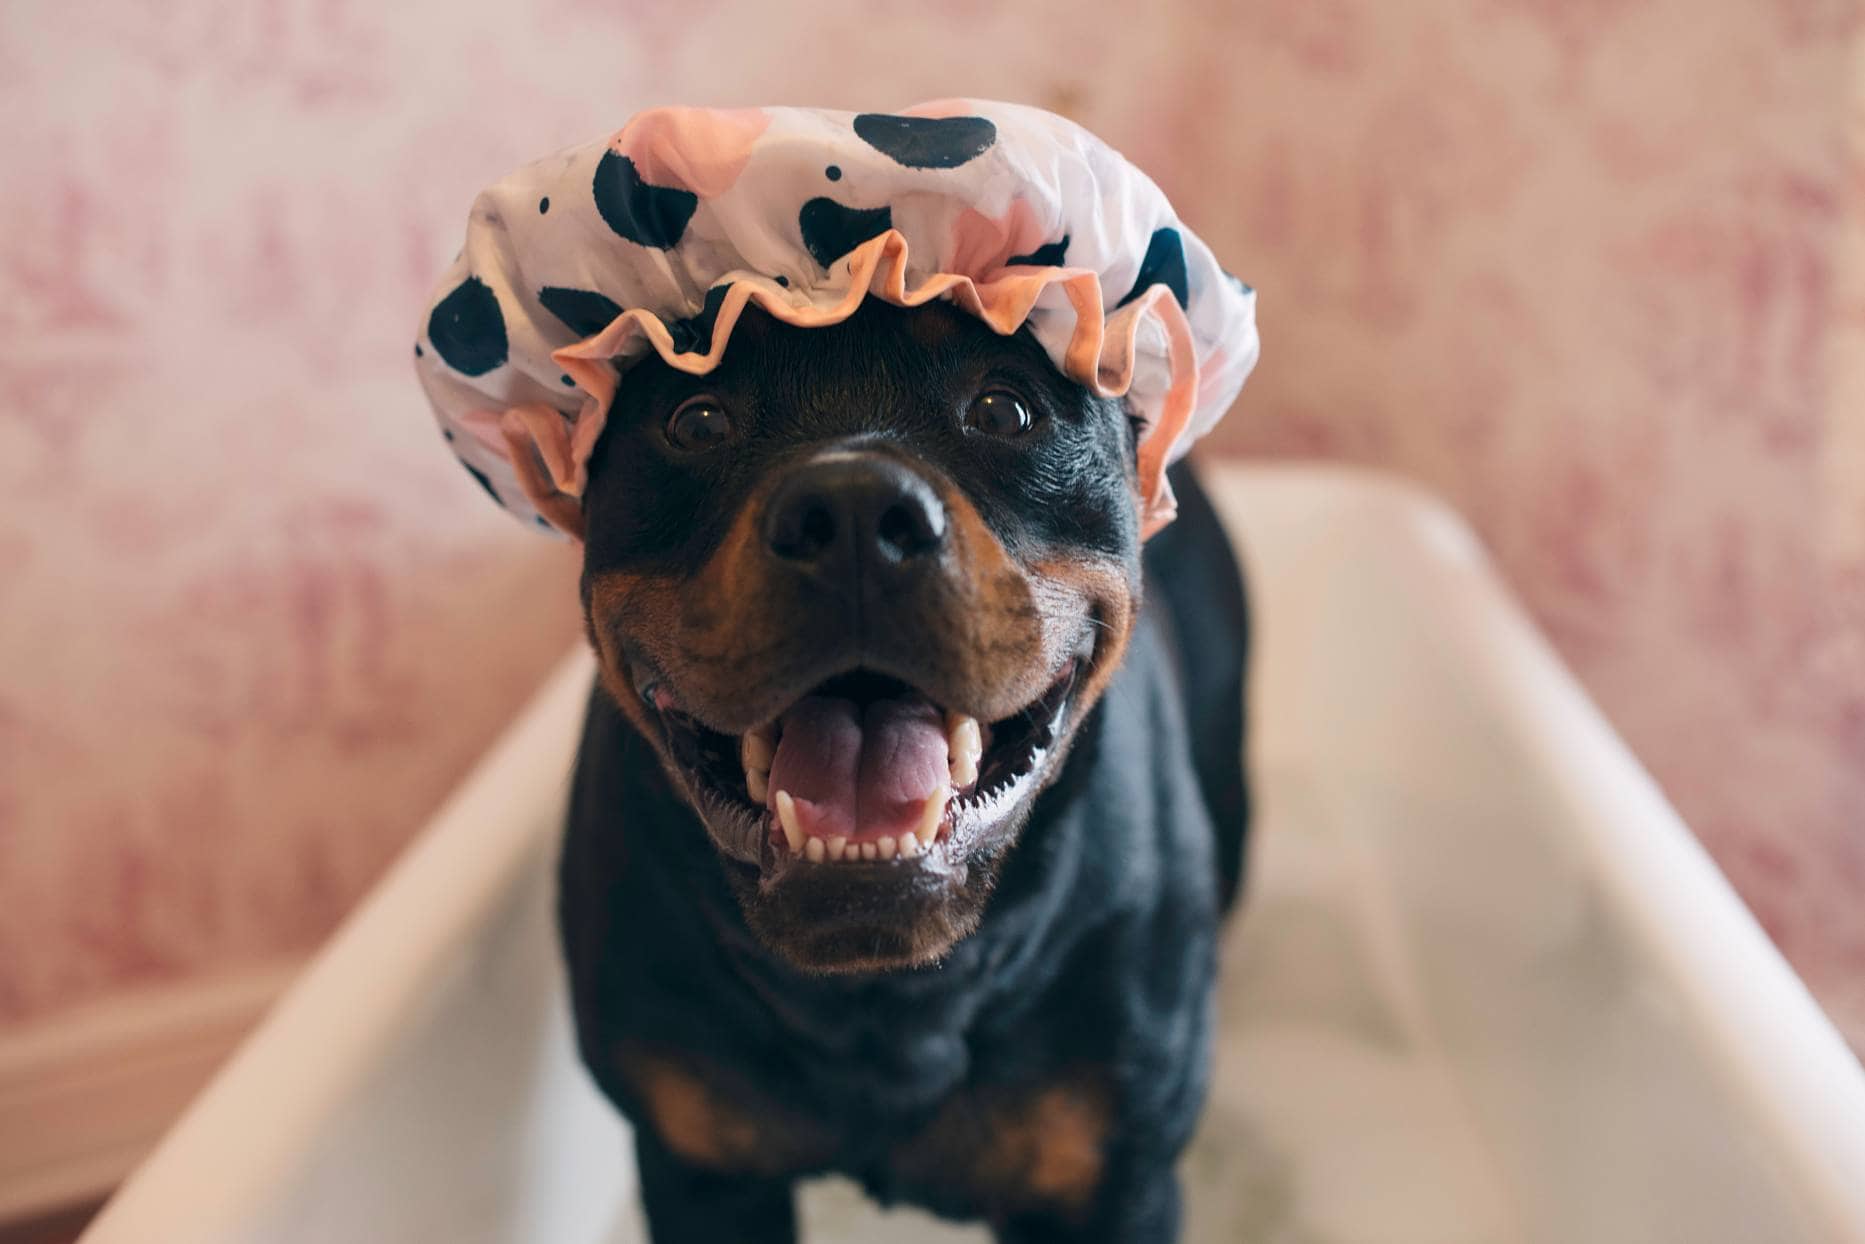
(999, 413)
(698, 424)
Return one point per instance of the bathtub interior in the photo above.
(1358, 1096)
(1449, 1011)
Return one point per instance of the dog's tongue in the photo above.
(860, 771)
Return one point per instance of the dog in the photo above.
(911, 795)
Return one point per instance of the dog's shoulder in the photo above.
(1194, 577)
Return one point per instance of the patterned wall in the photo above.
(1593, 269)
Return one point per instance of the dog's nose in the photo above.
(847, 511)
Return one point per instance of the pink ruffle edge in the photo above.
(551, 457)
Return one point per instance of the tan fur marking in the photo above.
(610, 596)
(1058, 1143)
(690, 1120)
(726, 634)
(703, 1117)
(1016, 1153)
(1103, 591)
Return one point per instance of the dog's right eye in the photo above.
(1000, 413)
(698, 424)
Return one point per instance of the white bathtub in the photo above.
(1486, 986)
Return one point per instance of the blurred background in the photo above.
(1593, 270)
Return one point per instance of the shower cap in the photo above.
(658, 237)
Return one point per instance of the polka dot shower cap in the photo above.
(657, 238)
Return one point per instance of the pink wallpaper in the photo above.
(1593, 271)
(1596, 271)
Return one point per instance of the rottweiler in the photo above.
(911, 794)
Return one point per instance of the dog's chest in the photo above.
(987, 1150)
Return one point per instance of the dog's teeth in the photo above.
(787, 817)
(930, 816)
(813, 850)
(836, 847)
(964, 740)
(909, 846)
(869, 851)
(756, 750)
(885, 848)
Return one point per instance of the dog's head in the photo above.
(859, 586)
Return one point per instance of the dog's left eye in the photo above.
(698, 424)
(999, 413)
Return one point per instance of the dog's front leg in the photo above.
(1135, 1207)
(688, 1204)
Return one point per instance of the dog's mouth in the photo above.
(864, 769)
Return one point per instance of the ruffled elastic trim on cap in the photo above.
(551, 457)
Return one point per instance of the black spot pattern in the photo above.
(418, 351)
(650, 215)
(693, 335)
(568, 380)
(1164, 264)
(833, 172)
(1243, 286)
(467, 329)
(584, 311)
(783, 280)
(926, 142)
(1048, 255)
(480, 477)
(831, 230)
(543, 205)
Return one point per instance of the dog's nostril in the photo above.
(818, 529)
(910, 528)
(802, 529)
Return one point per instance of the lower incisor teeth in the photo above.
(885, 848)
(814, 849)
(836, 847)
(909, 846)
(869, 850)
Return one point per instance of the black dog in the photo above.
(862, 543)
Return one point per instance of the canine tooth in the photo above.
(965, 743)
(757, 784)
(885, 848)
(787, 817)
(909, 846)
(930, 816)
(836, 847)
(814, 849)
(757, 750)
(869, 851)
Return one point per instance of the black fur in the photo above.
(1094, 961)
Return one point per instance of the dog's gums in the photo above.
(878, 772)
